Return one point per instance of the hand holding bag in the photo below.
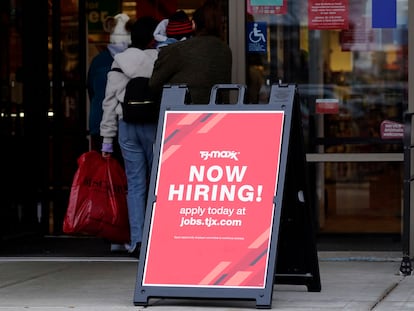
(97, 202)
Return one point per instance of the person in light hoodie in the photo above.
(135, 139)
(118, 27)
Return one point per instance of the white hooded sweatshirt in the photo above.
(134, 63)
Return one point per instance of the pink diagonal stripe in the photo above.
(217, 118)
(261, 239)
(167, 153)
(215, 272)
(189, 118)
(238, 278)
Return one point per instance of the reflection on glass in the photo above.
(364, 71)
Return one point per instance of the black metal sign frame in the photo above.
(291, 207)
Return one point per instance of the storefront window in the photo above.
(349, 59)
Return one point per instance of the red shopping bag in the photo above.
(97, 201)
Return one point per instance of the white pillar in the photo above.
(237, 12)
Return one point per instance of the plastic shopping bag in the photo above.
(97, 202)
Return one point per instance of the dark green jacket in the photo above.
(200, 62)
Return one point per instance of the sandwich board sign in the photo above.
(215, 199)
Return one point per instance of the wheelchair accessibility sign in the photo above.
(256, 37)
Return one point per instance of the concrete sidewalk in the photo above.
(350, 281)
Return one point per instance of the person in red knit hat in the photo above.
(176, 28)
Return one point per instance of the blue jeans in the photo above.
(136, 142)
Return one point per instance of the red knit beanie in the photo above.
(179, 25)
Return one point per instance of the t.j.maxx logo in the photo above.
(205, 155)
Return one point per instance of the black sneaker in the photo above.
(135, 253)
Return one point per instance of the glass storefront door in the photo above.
(66, 111)
(41, 112)
(352, 71)
(43, 103)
